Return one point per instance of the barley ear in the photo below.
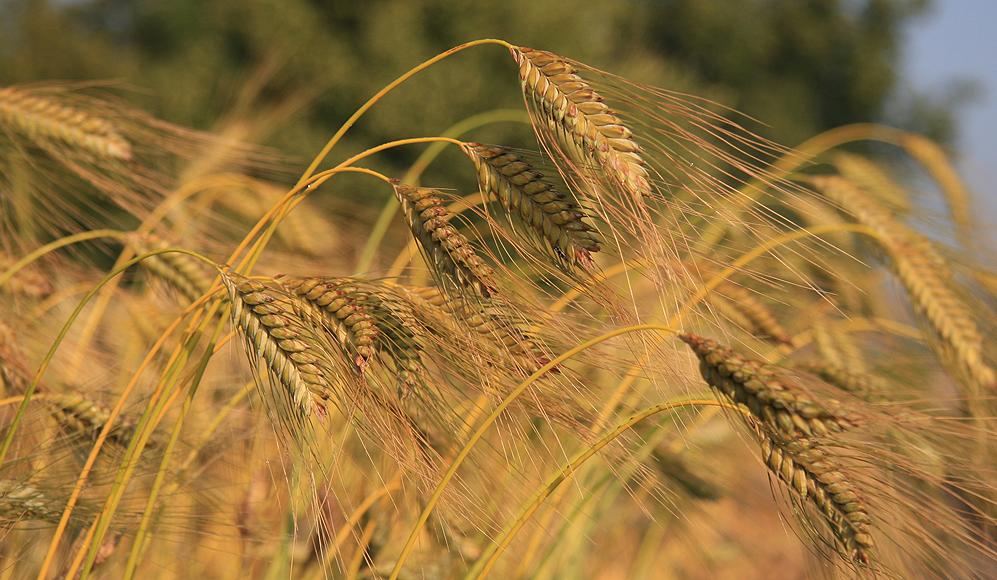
(528, 197)
(81, 416)
(811, 473)
(448, 252)
(588, 131)
(280, 332)
(926, 275)
(43, 119)
(769, 394)
(187, 274)
(865, 386)
(22, 501)
(762, 321)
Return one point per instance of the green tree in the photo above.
(799, 66)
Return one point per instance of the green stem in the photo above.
(138, 544)
(9, 438)
(55, 245)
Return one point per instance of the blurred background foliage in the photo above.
(293, 70)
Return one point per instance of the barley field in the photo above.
(646, 343)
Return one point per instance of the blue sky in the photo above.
(958, 39)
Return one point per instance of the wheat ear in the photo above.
(526, 195)
(23, 501)
(871, 178)
(369, 319)
(400, 331)
(44, 119)
(583, 124)
(762, 321)
(353, 325)
(769, 393)
(447, 251)
(925, 274)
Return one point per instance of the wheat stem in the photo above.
(181, 194)
(138, 544)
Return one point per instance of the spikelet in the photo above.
(23, 501)
(282, 332)
(871, 178)
(925, 274)
(769, 393)
(44, 120)
(354, 326)
(585, 127)
(837, 348)
(526, 195)
(865, 386)
(79, 415)
(812, 474)
(185, 273)
(762, 321)
(447, 251)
